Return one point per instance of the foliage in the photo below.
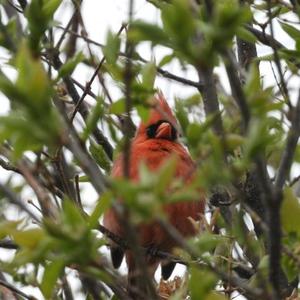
(244, 142)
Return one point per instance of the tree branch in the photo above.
(236, 87)
(290, 148)
(13, 288)
(8, 244)
(83, 109)
(8, 166)
(14, 199)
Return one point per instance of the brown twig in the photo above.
(42, 195)
(97, 178)
(87, 89)
(8, 166)
(83, 109)
(8, 244)
(13, 288)
(236, 87)
(283, 85)
(67, 289)
(160, 71)
(290, 148)
(14, 199)
(77, 188)
(250, 292)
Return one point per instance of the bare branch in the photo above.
(8, 244)
(283, 85)
(42, 195)
(15, 290)
(14, 199)
(264, 37)
(87, 89)
(83, 109)
(236, 87)
(290, 148)
(160, 70)
(8, 166)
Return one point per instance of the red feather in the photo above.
(154, 151)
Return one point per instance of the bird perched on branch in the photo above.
(155, 142)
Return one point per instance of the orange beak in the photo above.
(164, 131)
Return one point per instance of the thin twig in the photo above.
(236, 87)
(179, 239)
(62, 37)
(83, 109)
(159, 70)
(290, 148)
(14, 199)
(42, 195)
(265, 38)
(67, 289)
(87, 89)
(277, 59)
(8, 166)
(8, 244)
(77, 189)
(15, 290)
(97, 178)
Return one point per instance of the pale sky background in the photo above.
(100, 16)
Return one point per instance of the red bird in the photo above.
(155, 142)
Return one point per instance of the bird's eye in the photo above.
(151, 130)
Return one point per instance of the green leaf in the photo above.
(290, 212)
(100, 156)
(207, 242)
(253, 80)
(29, 238)
(149, 74)
(194, 131)
(142, 31)
(262, 271)
(258, 138)
(181, 114)
(33, 120)
(143, 112)
(246, 35)
(293, 32)
(102, 205)
(93, 118)
(39, 15)
(32, 82)
(118, 107)
(166, 174)
(68, 67)
(84, 178)
(290, 267)
(8, 228)
(72, 215)
(112, 48)
(165, 60)
(51, 274)
(201, 283)
(178, 21)
(50, 7)
(215, 296)
(234, 141)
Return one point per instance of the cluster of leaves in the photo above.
(54, 246)
(38, 139)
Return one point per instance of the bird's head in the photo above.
(161, 124)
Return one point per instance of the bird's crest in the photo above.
(160, 111)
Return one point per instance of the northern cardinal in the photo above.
(154, 143)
